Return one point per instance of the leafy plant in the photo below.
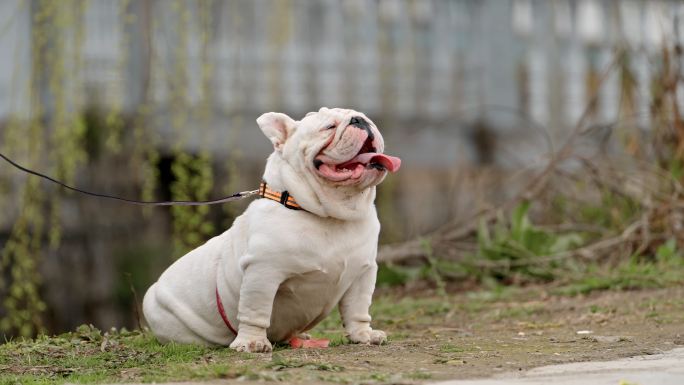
(390, 274)
(516, 240)
(668, 252)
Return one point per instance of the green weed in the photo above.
(613, 212)
(524, 311)
(665, 268)
(500, 249)
(419, 375)
(596, 309)
(513, 252)
(516, 240)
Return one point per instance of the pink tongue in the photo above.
(391, 163)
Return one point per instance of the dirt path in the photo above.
(662, 369)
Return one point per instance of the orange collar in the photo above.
(283, 198)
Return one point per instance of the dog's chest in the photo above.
(345, 246)
(336, 255)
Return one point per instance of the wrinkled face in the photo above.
(338, 146)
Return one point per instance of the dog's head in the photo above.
(337, 153)
(338, 146)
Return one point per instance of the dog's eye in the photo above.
(330, 127)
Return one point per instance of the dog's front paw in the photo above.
(368, 337)
(251, 344)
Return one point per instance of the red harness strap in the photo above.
(222, 312)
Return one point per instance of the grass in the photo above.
(431, 337)
(665, 268)
(280, 363)
(88, 356)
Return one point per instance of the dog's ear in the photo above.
(277, 127)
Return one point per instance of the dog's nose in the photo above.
(356, 121)
(362, 124)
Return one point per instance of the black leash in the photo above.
(234, 197)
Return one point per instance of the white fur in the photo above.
(281, 271)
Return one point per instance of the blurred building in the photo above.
(428, 68)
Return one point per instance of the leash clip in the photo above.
(246, 194)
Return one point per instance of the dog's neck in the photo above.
(339, 202)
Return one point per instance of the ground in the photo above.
(432, 337)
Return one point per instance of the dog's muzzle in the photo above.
(366, 157)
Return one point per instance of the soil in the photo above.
(510, 334)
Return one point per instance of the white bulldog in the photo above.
(278, 271)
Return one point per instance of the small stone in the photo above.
(607, 339)
(584, 332)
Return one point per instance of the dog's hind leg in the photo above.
(164, 324)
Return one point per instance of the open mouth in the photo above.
(365, 159)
